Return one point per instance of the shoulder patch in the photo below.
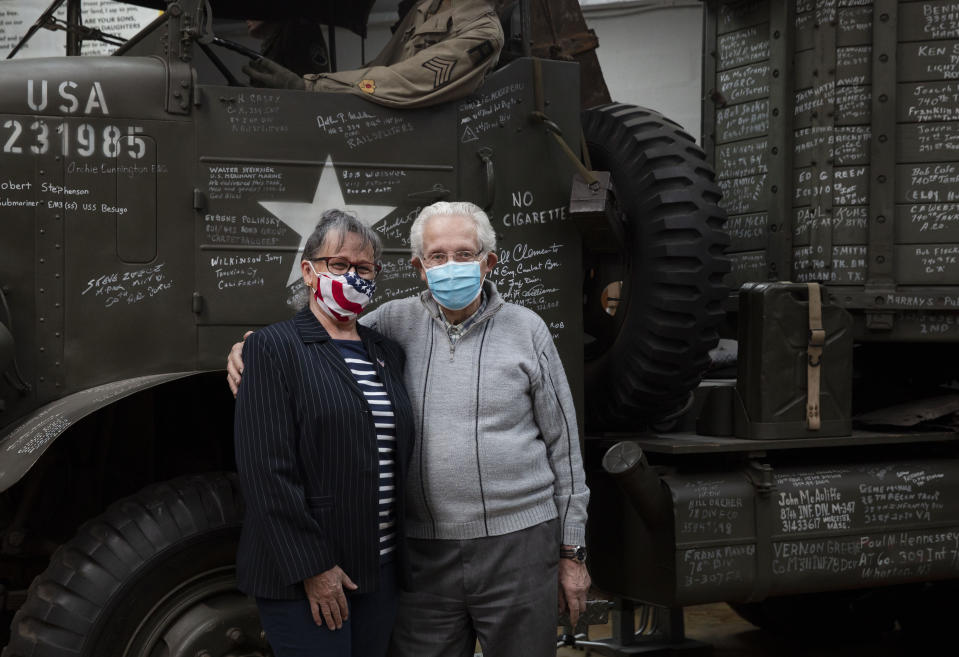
(442, 68)
(482, 52)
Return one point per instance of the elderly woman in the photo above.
(323, 435)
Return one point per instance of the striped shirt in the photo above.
(382, 409)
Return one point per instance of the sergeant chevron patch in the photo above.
(442, 70)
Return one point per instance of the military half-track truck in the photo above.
(150, 214)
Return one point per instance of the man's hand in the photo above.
(574, 582)
(267, 73)
(234, 364)
(327, 601)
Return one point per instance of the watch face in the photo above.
(581, 554)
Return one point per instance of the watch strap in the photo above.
(575, 552)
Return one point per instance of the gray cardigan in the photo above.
(496, 447)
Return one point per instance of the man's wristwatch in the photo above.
(575, 552)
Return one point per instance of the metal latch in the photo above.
(880, 321)
(436, 193)
(761, 477)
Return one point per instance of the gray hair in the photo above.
(337, 222)
(484, 230)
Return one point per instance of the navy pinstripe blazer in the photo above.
(307, 458)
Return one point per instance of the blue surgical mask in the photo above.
(456, 284)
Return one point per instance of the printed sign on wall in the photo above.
(113, 18)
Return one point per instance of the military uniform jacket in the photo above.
(307, 457)
(440, 51)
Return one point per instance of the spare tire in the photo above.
(645, 354)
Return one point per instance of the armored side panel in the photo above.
(773, 365)
(147, 223)
(95, 220)
(818, 527)
(833, 127)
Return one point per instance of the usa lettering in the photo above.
(67, 97)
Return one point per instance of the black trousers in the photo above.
(501, 590)
(291, 631)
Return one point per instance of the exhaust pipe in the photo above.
(638, 481)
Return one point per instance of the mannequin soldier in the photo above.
(441, 50)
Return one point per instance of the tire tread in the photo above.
(65, 603)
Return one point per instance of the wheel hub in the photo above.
(204, 617)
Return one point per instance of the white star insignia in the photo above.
(302, 217)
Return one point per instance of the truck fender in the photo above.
(23, 443)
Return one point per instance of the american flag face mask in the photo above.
(342, 296)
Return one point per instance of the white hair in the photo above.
(484, 230)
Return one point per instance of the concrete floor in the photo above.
(731, 636)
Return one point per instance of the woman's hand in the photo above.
(327, 600)
(234, 364)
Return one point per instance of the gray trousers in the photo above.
(501, 590)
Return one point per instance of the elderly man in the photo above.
(441, 50)
(496, 502)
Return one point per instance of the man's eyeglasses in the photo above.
(438, 258)
(339, 266)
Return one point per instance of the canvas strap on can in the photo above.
(817, 338)
(539, 114)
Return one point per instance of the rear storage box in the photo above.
(774, 362)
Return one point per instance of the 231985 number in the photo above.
(85, 140)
